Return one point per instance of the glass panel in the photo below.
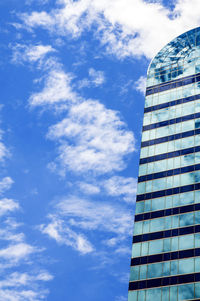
(139, 207)
(138, 228)
(197, 240)
(155, 246)
(167, 245)
(174, 243)
(143, 272)
(142, 295)
(197, 290)
(186, 219)
(132, 296)
(186, 266)
(186, 242)
(134, 273)
(147, 205)
(144, 248)
(165, 294)
(153, 293)
(173, 293)
(166, 268)
(136, 248)
(186, 292)
(154, 270)
(174, 267)
(197, 264)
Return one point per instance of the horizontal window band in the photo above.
(182, 254)
(167, 212)
(164, 281)
(166, 234)
(177, 153)
(170, 122)
(173, 84)
(167, 192)
(172, 81)
(172, 103)
(170, 138)
(169, 173)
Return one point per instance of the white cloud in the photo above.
(3, 152)
(17, 279)
(57, 88)
(59, 231)
(5, 184)
(140, 84)
(96, 78)
(31, 53)
(7, 205)
(17, 252)
(19, 255)
(74, 219)
(95, 215)
(126, 27)
(21, 286)
(120, 186)
(92, 138)
(89, 188)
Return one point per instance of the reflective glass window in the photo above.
(134, 273)
(186, 242)
(186, 292)
(136, 248)
(173, 293)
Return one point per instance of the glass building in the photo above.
(165, 260)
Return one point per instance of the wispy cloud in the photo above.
(57, 229)
(19, 286)
(5, 184)
(121, 187)
(89, 188)
(16, 252)
(123, 26)
(17, 256)
(96, 78)
(92, 138)
(74, 219)
(57, 89)
(4, 153)
(31, 53)
(17, 279)
(7, 205)
(140, 84)
(118, 187)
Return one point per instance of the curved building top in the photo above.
(179, 58)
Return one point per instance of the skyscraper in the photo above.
(165, 262)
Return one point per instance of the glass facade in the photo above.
(165, 261)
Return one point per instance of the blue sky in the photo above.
(72, 96)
